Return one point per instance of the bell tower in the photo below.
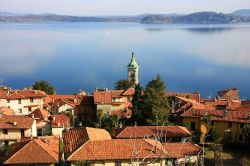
(133, 70)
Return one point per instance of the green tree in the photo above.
(44, 86)
(156, 107)
(123, 84)
(137, 109)
(100, 116)
(110, 122)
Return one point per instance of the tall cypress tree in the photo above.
(155, 104)
(137, 109)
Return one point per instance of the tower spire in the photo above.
(133, 70)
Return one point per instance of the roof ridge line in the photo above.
(45, 149)
(18, 150)
(78, 149)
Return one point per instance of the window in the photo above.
(230, 124)
(5, 131)
(31, 99)
(118, 163)
(212, 123)
(22, 132)
(192, 126)
(19, 101)
(20, 110)
(6, 142)
(8, 101)
(29, 109)
(242, 125)
(39, 132)
(240, 137)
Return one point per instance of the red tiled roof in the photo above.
(128, 92)
(6, 111)
(194, 96)
(229, 94)
(39, 114)
(15, 122)
(74, 138)
(219, 115)
(181, 149)
(148, 131)
(21, 94)
(60, 120)
(105, 97)
(118, 149)
(34, 151)
(59, 100)
(243, 108)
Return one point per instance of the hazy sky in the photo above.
(120, 7)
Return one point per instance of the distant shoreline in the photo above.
(193, 18)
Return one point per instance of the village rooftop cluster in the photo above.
(47, 129)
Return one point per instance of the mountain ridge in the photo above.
(205, 17)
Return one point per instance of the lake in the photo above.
(83, 56)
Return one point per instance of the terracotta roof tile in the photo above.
(15, 122)
(60, 120)
(74, 138)
(180, 150)
(105, 97)
(118, 149)
(21, 94)
(193, 96)
(219, 115)
(39, 114)
(6, 111)
(128, 92)
(149, 131)
(42, 151)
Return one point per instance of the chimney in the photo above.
(33, 116)
(8, 93)
(58, 124)
(15, 123)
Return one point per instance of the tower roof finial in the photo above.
(133, 54)
(133, 63)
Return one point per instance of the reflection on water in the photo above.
(74, 56)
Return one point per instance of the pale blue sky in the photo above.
(120, 7)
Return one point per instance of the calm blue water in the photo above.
(82, 56)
